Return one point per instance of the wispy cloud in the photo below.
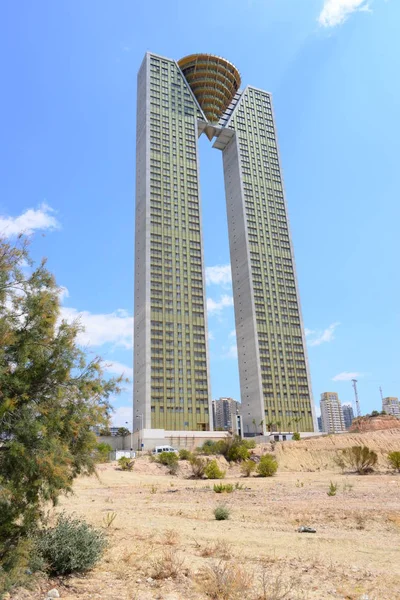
(336, 12)
(219, 275)
(321, 337)
(232, 352)
(39, 219)
(110, 328)
(117, 368)
(211, 336)
(216, 307)
(347, 376)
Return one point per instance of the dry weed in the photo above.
(168, 564)
(218, 549)
(170, 537)
(226, 581)
(276, 586)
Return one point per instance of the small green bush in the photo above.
(360, 458)
(248, 467)
(72, 546)
(267, 466)
(102, 452)
(184, 454)
(209, 447)
(332, 489)
(394, 460)
(221, 513)
(296, 436)
(198, 467)
(170, 460)
(212, 470)
(221, 488)
(125, 463)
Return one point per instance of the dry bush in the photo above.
(170, 537)
(360, 520)
(219, 549)
(226, 581)
(276, 586)
(168, 564)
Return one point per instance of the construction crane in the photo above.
(380, 389)
(356, 396)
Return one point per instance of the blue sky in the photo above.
(68, 108)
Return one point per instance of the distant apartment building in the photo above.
(391, 406)
(224, 410)
(331, 413)
(319, 421)
(348, 415)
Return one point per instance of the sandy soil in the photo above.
(166, 523)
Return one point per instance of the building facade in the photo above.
(391, 406)
(224, 411)
(177, 102)
(348, 415)
(331, 413)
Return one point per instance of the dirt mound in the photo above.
(318, 454)
(378, 423)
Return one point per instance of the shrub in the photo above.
(125, 463)
(267, 466)
(102, 452)
(394, 460)
(170, 460)
(212, 470)
(221, 513)
(184, 454)
(296, 436)
(248, 467)
(220, 488)
(168, 565)
(72, 546)
(198, 467)
(360, 458)
(209, 447)
(332, 489)
(226, 581)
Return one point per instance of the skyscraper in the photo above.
(177, 102)
(331, 413)
(348, 415)
(391, 406)
(224, 411)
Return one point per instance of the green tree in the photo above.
(51, 397)
(123, 432)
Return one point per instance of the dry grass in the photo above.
(276, 586)
(168, 565)
(218, 549)
(226, 581)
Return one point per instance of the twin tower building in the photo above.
(177, 102)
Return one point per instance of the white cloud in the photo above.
(215, 307)
(219, 275)
(322, 337)
(336, 12)
(121, 416)
(110, 328)
(29, 221)
(346, 376)
(232, 352)
(118, 368)
(308, 332)
(232, 334)
(211, 336)
(63, 293)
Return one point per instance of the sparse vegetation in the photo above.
(168, 565)
(170, 460)
(296, 436)
(125, 463)
(360, 458)
(170, 537)
(221, 513)
(102, 452)
(234, 449)
(276, 586)
(226, 581)
(332, 489)
(109, 519)
(198, 467)
(72, 546)
(248, 467)
(268, 466)
(219, 549)
(221, 488)
(394, 460)
(185, 454)
(212, 470)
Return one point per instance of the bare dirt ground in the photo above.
(165, 544)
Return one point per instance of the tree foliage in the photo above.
(50, 395)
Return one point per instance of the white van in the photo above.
(159, 449)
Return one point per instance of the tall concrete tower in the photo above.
(177, 102)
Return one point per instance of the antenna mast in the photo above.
(356, 396)
(380, 389)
